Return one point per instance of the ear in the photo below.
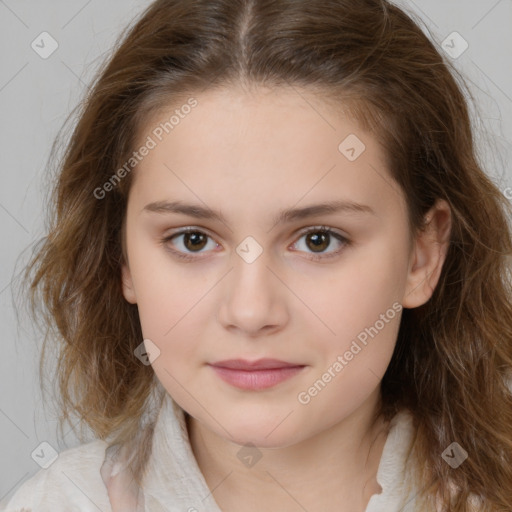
(428, 256)
(127, 283)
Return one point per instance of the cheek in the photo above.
(167, 292)
(360, 289)
(369, 319)
(170, 317)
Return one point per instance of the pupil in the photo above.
(197, 240)
(319, 240)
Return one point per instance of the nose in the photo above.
(253, 298)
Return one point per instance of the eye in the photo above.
(193, 240)
(319, 238)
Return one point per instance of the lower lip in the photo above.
(256, 379)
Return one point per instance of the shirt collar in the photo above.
(173, 481)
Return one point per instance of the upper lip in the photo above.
(259, 364)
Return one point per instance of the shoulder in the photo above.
(404, 429)
(72, 483)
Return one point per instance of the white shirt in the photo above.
(174, 482)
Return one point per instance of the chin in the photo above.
(260, 432)
(260, 440)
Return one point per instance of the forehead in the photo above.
(267, 146)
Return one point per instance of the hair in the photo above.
(453, 354)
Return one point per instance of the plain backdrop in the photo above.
(36, 96)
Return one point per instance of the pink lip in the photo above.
(255, 375)
(258, 364)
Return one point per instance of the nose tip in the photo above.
(250, 300)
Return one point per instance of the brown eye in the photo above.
(187, 242)
(319, 239)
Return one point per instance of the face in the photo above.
(320, 290)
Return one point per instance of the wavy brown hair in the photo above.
(453, 354)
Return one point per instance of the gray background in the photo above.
(36, 96)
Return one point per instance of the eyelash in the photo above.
(315, 229)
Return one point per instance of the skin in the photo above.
(249, 155)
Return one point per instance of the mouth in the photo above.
(255, 375)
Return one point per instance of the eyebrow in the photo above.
(287, 215)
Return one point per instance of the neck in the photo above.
(337, 466)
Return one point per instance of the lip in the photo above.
(255, 375)
(258, 364)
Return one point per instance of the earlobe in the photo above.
(127, 284)
(428, 256)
